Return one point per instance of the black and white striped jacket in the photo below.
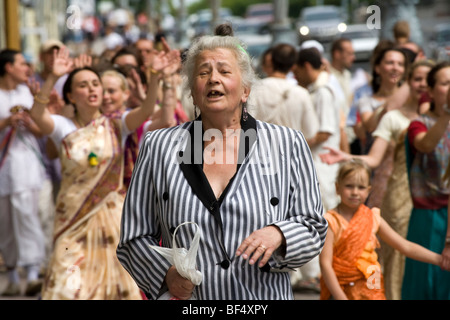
(276, 184)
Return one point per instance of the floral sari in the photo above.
(84, 265)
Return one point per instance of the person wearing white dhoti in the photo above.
(21, 177)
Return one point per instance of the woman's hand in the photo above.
(34, 86)
(261, 244)
(445, 258)
(179, 287)
(83, 61)
(167, 58)
(334, 156)
(62, 63)
(136, 87)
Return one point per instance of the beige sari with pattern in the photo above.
(84, 265)
(396, 211)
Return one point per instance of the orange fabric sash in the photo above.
(349, 248)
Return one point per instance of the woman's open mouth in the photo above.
(215, 94)
(93, 98)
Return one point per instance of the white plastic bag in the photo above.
(183, 260)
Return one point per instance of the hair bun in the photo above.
(224, 30)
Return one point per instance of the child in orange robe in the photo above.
(349, 263)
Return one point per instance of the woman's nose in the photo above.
(214, 76)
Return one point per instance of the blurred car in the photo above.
(363, 39)
(321, 23)
(440, 42)
(251, 26)
(256, 45)
(263, 12)
(201, 21)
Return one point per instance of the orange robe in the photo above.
(355, 261)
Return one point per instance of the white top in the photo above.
(279, 101)
(23, 168)
(329, 113)
(369, 104)
(391, 126)
(327, 110)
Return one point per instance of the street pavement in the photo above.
(298, 294)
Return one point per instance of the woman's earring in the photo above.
(244, 112)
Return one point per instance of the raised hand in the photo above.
(136, 86)
(34, 86)
(174, 63)
(62, 63)
(167, 58)
(82, 61)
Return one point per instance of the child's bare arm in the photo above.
(410, 249)
(326, 267)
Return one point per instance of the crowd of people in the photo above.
(294, 178)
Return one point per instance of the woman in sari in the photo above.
(89, 206)
(428, 151)
(389, 70)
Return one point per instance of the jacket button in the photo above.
(274, 201)
(225, 264)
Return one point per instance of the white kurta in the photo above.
(328, 112)
(23, 168)
(21, 178)
(279, 101)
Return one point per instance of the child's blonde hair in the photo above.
(351, 166)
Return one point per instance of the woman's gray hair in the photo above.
(218, 42)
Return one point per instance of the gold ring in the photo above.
(263, 247)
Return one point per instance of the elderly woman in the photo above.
(249, 186)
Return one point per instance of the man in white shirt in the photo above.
(342, 58)
(21, 176)
(310, 74)
(279, 100)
